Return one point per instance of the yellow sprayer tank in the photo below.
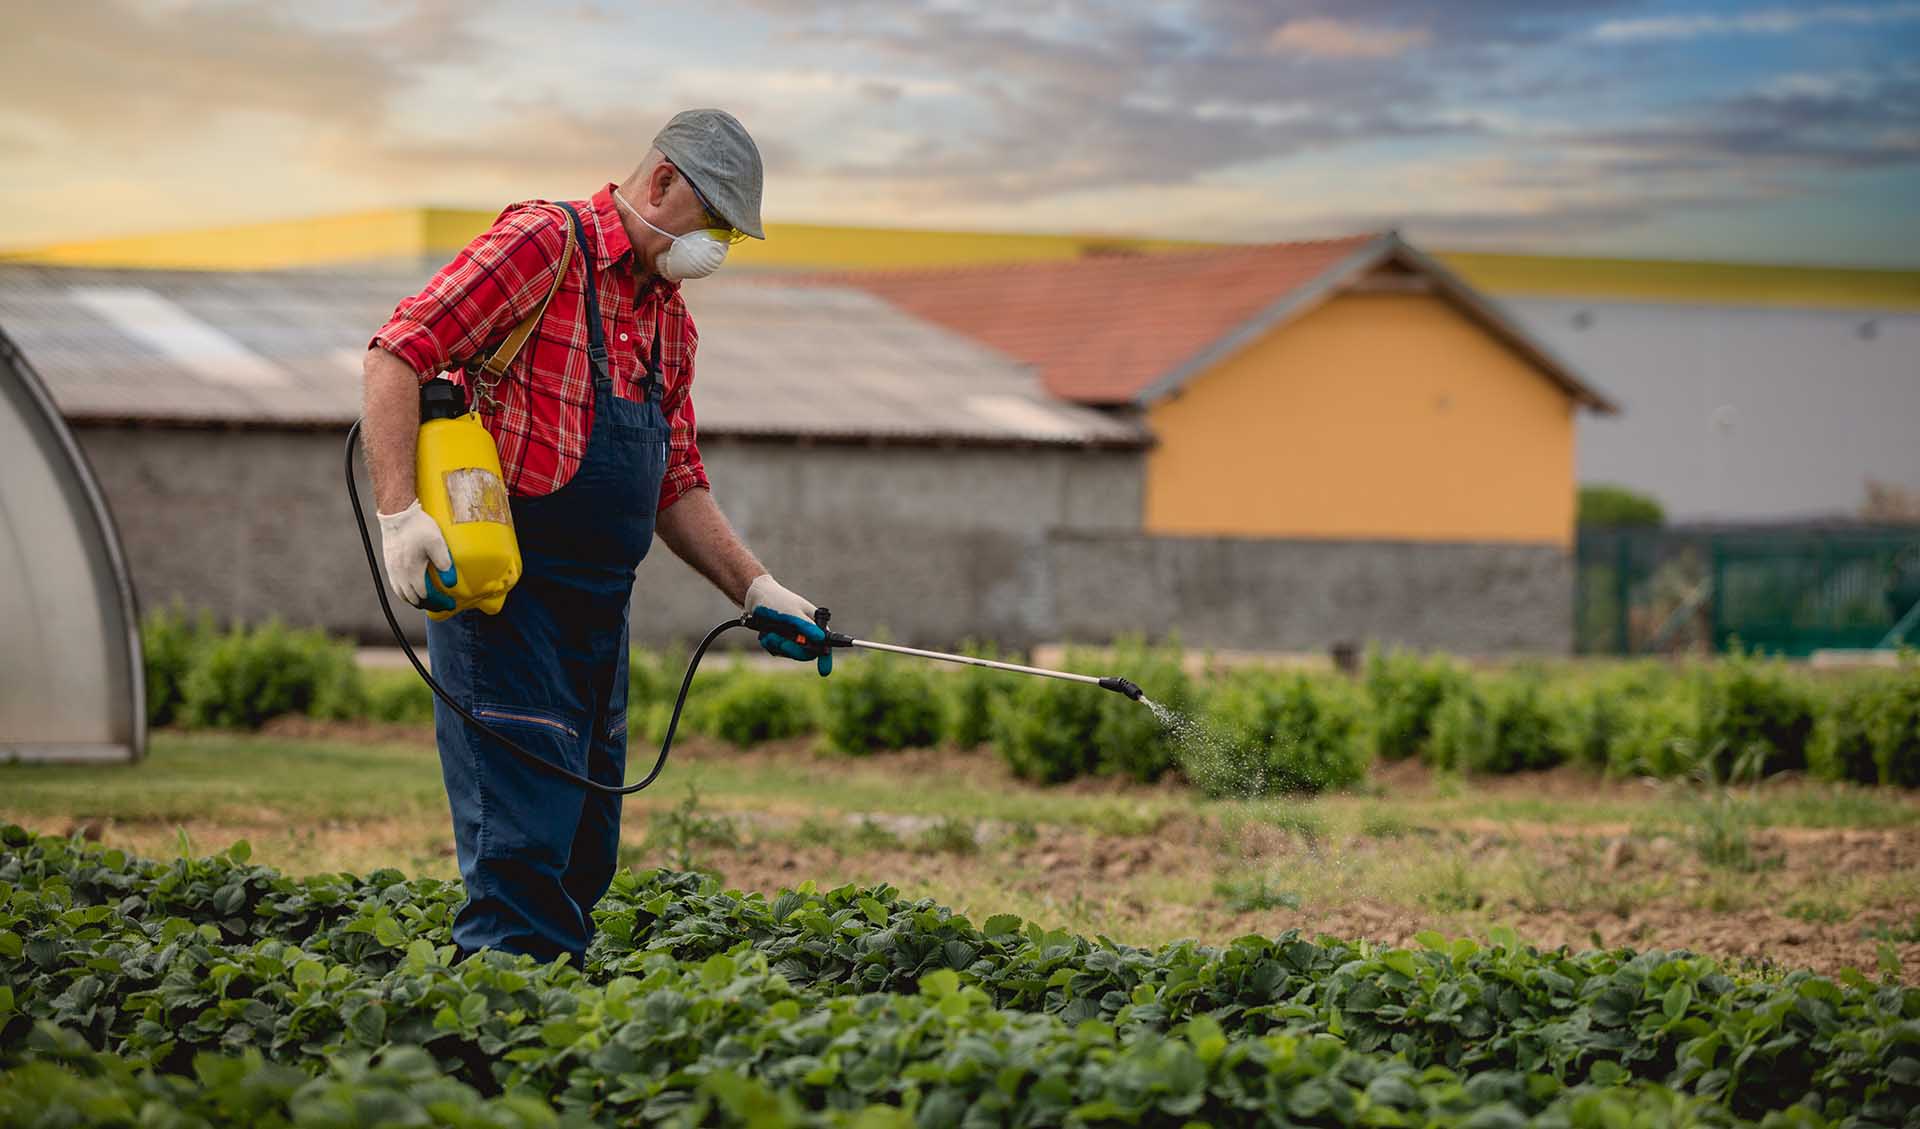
(457, 475)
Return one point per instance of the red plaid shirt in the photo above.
(546, 395)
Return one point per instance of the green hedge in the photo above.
(745, 707)
(970, 695)
(1243, 731)
(1496, 724)
(877, 702)
(1293, 733)
(1405, 691)
(1870, 731)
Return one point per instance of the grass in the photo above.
(232, 778)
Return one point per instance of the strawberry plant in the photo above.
(135, 982)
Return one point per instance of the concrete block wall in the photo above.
(928, 545)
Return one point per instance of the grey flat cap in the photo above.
(712, 148)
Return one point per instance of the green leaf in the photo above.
(10, 944)
(717, 970)
(875, 912)
(940, 983)
(1674, 1004)
(387, 931)
(1428, 939)
(368, 1023)
(1001, 924)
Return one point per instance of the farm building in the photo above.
(70, 662)
(1350, 389)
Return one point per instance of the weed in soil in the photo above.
(951, 835)
(1456, 892)
(1908, 933)
(1815, 911)
(1243, 895)
(682, 830)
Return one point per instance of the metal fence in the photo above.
(1789, 592)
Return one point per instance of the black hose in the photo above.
(386, 606)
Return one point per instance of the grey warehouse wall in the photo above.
(930, 545)
(930, 542)
(1477, 599)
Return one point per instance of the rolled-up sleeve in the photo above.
(473, 301)
(685, 471)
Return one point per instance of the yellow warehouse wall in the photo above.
(1373, 416)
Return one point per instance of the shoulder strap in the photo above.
(596, 330)
(510, 348)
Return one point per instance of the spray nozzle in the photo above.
(1122, 686)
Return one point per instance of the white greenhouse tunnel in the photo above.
(72, 686)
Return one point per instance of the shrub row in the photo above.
(1738, 717)
(855, 1000)
(1237, 733)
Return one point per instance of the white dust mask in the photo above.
(695, 254)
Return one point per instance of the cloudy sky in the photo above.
(1695, 128)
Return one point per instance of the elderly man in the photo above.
(594, 422)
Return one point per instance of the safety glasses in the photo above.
(715, 223)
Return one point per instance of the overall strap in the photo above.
(596, 333)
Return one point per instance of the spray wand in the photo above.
(836, 639)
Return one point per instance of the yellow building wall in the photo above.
(1374, 416)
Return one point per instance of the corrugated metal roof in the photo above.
(284, 348)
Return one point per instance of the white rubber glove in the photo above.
(765, 597)
(409, 540)
(766, 592)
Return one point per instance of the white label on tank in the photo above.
(477, 494)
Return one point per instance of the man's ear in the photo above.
(658, 182)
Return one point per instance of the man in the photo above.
(595, 427)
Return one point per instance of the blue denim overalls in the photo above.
(550, 671)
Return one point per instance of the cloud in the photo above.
(1094, 95)
(1760, 21)
(118, 72)
(1332, 39)
(1795, 125)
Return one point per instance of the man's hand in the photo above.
(766, 597)
(410, 541)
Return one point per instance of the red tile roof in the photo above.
(1102, 330)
